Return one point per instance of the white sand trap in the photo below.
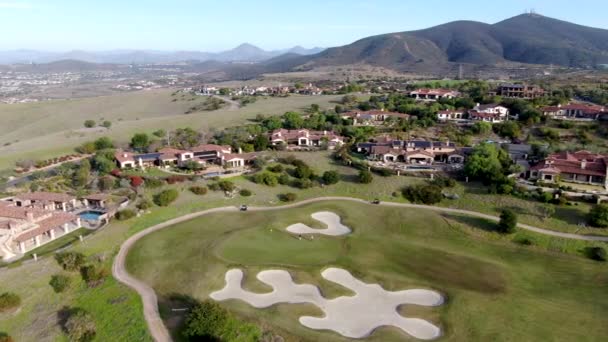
(354, 317)
(331, 220)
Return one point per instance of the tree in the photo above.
(140, 142)
(80, 326)
(226, 185)
(260, 142)
(86, 148)
(331, 177)
(107, 124)
(423, 193)
(365, 177)
(206, 321)
(293, 120)
(487, 163)
(165, 197)
(106, 183)
(303, 172)
(9, 301)
(266, 178)
(288, 197)
(547, 211)
(89, 123)
(482, 128)
(103, 143)
(598, 216)
(125, 214)
(508, 221)
(6, 338)
(508, 129)
(59, 282)
(70, 261)
(161, 133)
(595, 253)
(102, 164)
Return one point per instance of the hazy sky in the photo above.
(213, 25)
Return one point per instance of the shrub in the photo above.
(89, 123)
(443, 182)
(245, 192)
(125, 214)
(595, 253)
(80, 326)
(330, 177)
(524, 241)
(266, 178)
(59, 282)
(6, 338)
(226, 185)
(598, 216)
(303, 172)
(136, 181)
(278, 168)
(9, 301)
(303, 183)
(205, 322)
(288, 197)
(365, 177)
(508, 221)
(144, 204)
(423, 193)
(383, 172)
(93, 275)
(70, 261)
(153, 183)
(175, 179)
(166, 197)
(283, 179)
(198, 190)
(214, 187)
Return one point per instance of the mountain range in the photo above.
(242, 53)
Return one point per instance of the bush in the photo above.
(508, 221)
(595, 253)
(70, 261)
(288, 197)
(383, 172)
(125, 214)
(144, 205)
(80, 326)
(199, 190)
(226, 185)
(175, 179)
(423, 193)
(59, 282)
(245, 192)
(6, 338)
(330, 177)
(443, 182)
(524, 241)
(283, 179)
(9, 301)
(365, 177)
(166, 197)
(278, 168)
(89, 123)
(303, 183)
(205, 322)
(598, 216)
(136, 181)
(153, 183)
(266, 178)
(93, 275)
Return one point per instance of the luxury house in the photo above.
(449, 115)
(492, 113)
(372, 117)
(302, 138)
(25, 225)
(575, 111)
(206, 154)
(520, 91)
(433, 94)
(411, 151)
(576, 167)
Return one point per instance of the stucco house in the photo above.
(298, 138)
(493, 113)
(582, 167)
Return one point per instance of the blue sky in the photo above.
(213, 25)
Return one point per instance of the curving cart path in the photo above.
(150, 302)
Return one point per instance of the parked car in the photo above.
(243, 208)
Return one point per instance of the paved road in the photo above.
(155, 324)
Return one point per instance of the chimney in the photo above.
(240, 150)
(124, 155)
(583, 164)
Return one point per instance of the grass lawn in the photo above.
(45, 129)
(497, 290)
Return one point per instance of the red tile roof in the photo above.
(46, 196)
(55, 221)
(568, 162)
(21, 213)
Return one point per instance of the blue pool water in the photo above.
(90, 215)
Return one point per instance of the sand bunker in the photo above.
(334, 226)
(351, 316)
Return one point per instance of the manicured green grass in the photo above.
(497, 290)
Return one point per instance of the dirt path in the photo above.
(155, 324)
(233, 105)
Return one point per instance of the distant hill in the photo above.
(528, 38)
(242, 53)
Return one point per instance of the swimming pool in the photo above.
(91, 215)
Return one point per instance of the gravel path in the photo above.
(155, 324)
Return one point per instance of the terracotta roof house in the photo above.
(411, 151)
(576, 111)
(23, 228)
(520, 91)
(493, 113)
(576, 167)
(46, 200)
(372, 117)
(305, 138)
(433, 94)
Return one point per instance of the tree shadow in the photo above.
(173, 309)
(569, 215)
(475, 222)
